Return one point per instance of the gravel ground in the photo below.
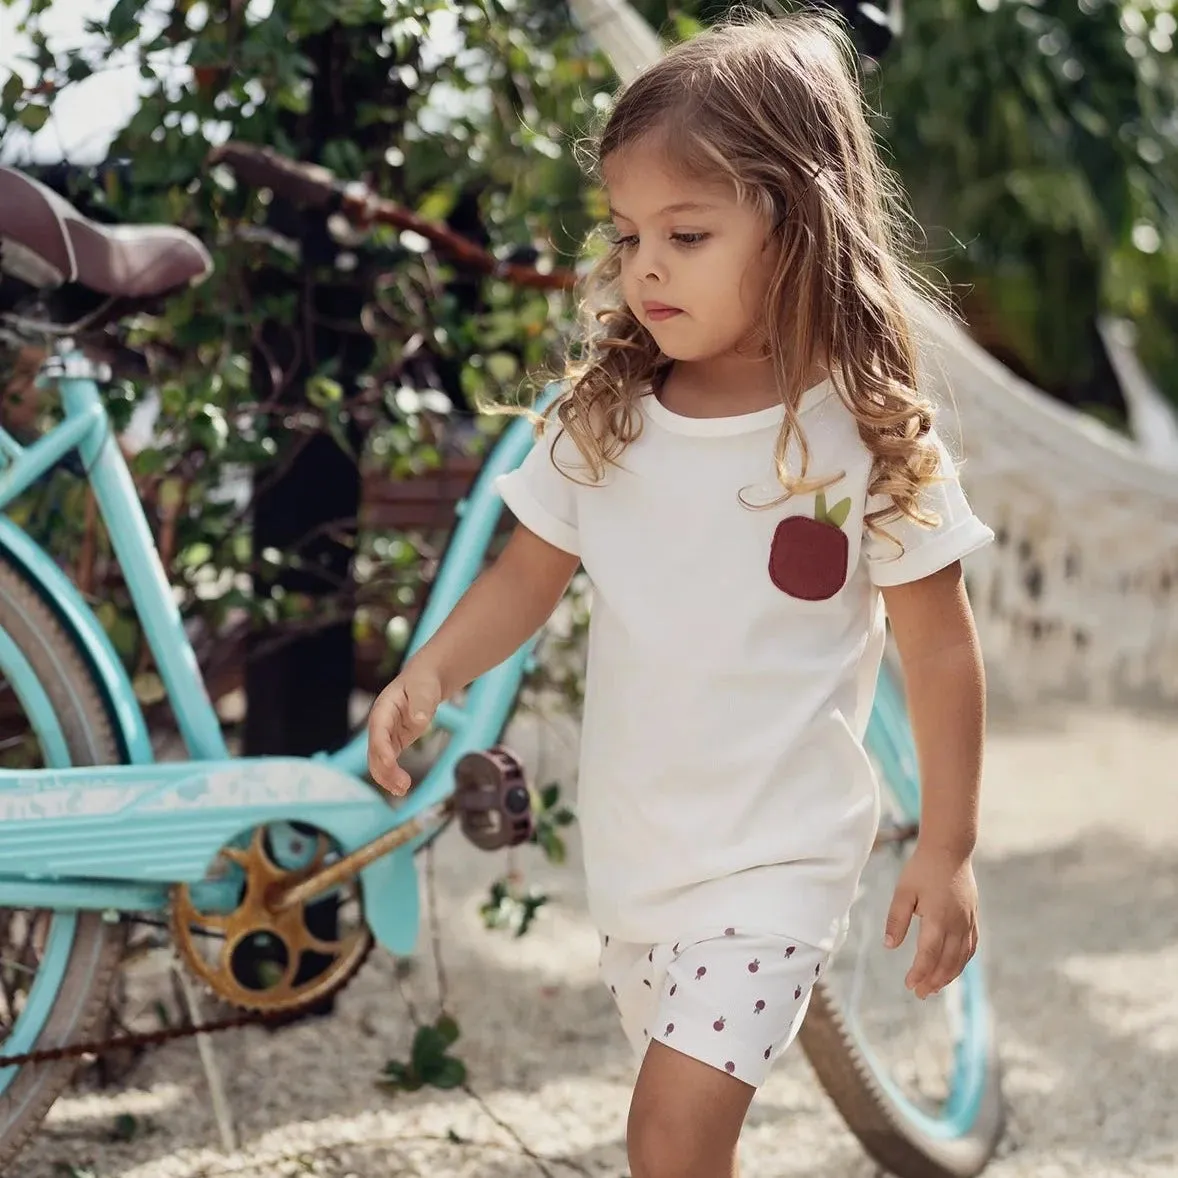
(1080, 888)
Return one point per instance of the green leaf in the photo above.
(171, 494)
(531, 905)
(438, 204)
(550, 795)
(323, 391)
(447, 1027)
(553, 845)
(13, 89)
(429, 1045)
(149, 688)
(33, 118)
(79, 69)
(503, 366)
(450, 1073)
(839, 512)
(125, 1127)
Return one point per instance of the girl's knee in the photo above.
(685, 1118)
(662, 1141)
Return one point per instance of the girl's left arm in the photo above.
(933, 628)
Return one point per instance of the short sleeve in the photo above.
(540, 495)
(925, 549)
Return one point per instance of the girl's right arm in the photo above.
(505, 606)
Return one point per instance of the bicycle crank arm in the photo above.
(491, 800)
(351, 865)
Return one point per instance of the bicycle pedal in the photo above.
(492, 799)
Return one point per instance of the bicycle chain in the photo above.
(151, 1038)
(132, 1039)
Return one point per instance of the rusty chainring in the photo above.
(288, 994)
(263, 950)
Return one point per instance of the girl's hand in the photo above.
(939, 887)
(400, 715)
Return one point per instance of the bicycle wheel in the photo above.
(56, 968)
(917, 1082)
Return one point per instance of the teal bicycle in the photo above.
(240, 855)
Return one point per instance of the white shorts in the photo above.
(734, 1001)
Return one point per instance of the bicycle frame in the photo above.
(61, 829)
(86, 429)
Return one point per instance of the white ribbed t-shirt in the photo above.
(733, 655)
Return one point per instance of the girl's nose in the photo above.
(651, 267)
(648, 262)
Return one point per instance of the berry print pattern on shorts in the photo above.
(734, 1001)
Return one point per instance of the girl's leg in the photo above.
(729, 1005)
(685, 1118)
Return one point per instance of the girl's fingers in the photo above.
(400, 716)
(952, 962)
(386, 738)
(928, 954)
(899, 915)
(397, 782)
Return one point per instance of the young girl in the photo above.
(744, 465)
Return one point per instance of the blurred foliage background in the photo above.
(319, 368)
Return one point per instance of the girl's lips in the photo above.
(658, 312)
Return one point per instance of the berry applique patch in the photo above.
(808, 556)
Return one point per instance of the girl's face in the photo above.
(696, 263)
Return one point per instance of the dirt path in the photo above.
(1079, 870)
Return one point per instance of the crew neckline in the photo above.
(740, 423)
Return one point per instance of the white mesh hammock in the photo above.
(1080, 594)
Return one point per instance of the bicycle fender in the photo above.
(392, 905)
(61, 595)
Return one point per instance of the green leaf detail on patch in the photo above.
(837, 515)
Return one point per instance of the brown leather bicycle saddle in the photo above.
(46, 242)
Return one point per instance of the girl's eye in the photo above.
(686, 239)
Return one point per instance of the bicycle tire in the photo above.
(879, 1122)
(898, 1136)
(86, 974)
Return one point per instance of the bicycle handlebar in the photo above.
(314, 186)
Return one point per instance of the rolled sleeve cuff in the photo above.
(937, 553)
(534, 516)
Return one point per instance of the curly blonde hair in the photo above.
(774, 107)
